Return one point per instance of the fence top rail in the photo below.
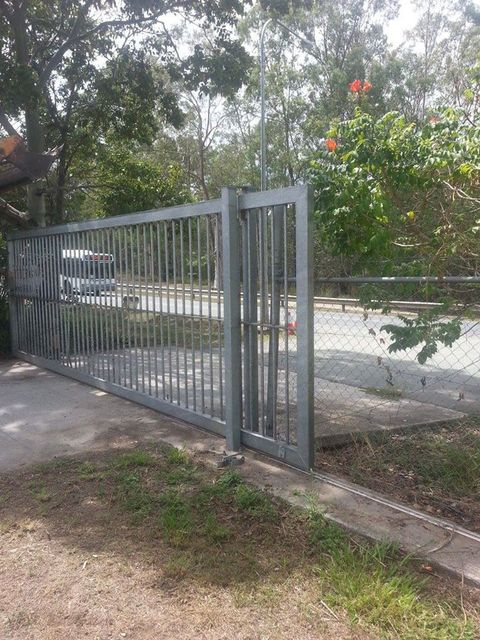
(271, 198)
(208, 207)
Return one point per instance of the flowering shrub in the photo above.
(393, 187)
(357, 86)
(330, 144)
(405, 197)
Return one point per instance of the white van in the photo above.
(84, 272)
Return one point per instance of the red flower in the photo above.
(367, 86)
(292, 328)
(355, 86)
(331, 144)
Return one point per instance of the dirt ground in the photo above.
(436, 470)
(146, 546)
(74, 566)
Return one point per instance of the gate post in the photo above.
(305, 345)
(231, 312)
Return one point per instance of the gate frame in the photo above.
(209, 207)
(302, 455)
(228, 208)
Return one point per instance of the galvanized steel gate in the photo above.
(201, 311)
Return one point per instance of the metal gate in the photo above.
(201, 311)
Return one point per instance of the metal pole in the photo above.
(250, 316)
(276, 264)
(231, 305)
(305, 346)
(263, 141)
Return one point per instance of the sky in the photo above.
(406, 20)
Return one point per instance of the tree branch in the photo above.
(14, 215)
(57, 57)
(7, 125)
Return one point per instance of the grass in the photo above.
(134, 459)
(104, 328)
(256, 503)
(374, 584)
(118, 328)
(177, 518)
(176, 456)
(217, 530)
(441, 462)
(439, 467)
(42, 495)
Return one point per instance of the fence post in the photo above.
(305, 346)
(231, 311)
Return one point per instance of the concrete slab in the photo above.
(351, 411)
(43, 415)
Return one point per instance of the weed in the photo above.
(177, 456)
(87, 470)
(255, 502)
(55, 465)
(222, 489)
(392, 394)
(176, 518)
(179, 476)
(42, 495)
(136, 458)
(229, 480)
(454, 467)
(214, 530)
(135, 498)
(323, 536)
(374, 587)
(177, 567)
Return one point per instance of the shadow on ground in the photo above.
(169, 515)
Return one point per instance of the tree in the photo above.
(73, 70)
(399, 198)
(307, 87)
(128, 182)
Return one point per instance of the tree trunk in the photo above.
(33, 126)
(61, 182)
(35, 143)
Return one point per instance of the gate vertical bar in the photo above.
(250, 316)
(12, 299)
(305, 355)
(231, 306)
(276, 266)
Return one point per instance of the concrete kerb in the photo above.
(62, 430)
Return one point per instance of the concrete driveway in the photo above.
(43, 415)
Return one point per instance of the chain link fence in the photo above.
(395, 353)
